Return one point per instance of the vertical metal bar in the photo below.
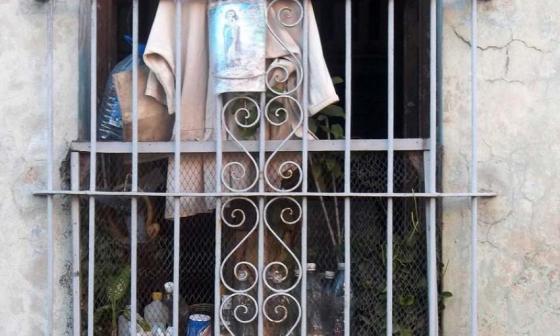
(75, 213)
(93, 166)
(305, 165)
(474, 169)
(218, 246)
(347, 169)
(390, 160)
(134, 200)
(260, 243)
(431, 230)
(50, 166)
(177, 166)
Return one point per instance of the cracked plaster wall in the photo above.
(519, 148)
(23, 139)
(519, 241)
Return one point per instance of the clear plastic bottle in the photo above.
(168, 302)
(328, 282)
(314, 296)
(338, 291)
(227, 314)
(157, 314)
(328, 311)
(338, 286)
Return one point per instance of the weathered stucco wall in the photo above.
(519, 238)
(23, 137)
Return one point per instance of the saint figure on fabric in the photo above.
(231, 38)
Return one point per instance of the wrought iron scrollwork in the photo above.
(235, 176)
(280, 307)
(235, 219)
(283, 113)
(284, 81)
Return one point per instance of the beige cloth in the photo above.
(198, 109)
(154, 123)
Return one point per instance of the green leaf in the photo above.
(101, 313)
(334, 111)
(406, 332)
(318, 177)
(406, 300)
(248, 133)
(118, 285)
(313, 125)
(324, 128)
(337, 80)
(337, 131)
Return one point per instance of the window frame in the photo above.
(390, 145)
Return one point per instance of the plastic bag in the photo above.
(110, 123)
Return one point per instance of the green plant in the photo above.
(326, 170)
(116, 290)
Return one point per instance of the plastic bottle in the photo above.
(328, 312)
(157, 314)
(338, 291)
(314, 295)
(227, 314)
(168, 302)
(110, 123)
(168, 299)
(338, 285)
(328, 282)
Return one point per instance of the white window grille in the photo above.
(265, 303)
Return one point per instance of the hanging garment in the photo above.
(198, 98)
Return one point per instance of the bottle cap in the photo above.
(311, 267)
(157, 296)
(329, 275)
(341, 266)
(168, 287)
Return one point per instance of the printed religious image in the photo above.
(237, 45)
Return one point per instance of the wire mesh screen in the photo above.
(368, 247)
(155, 244)
(325, 239)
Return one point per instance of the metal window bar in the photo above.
(431, 230)
(390, 160)
(177, 172)
(347, 166)
(264, 148)
(92, 167)
(305, 161)
(134, 200)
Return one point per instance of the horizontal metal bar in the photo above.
(263, 194)
(253, 146)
